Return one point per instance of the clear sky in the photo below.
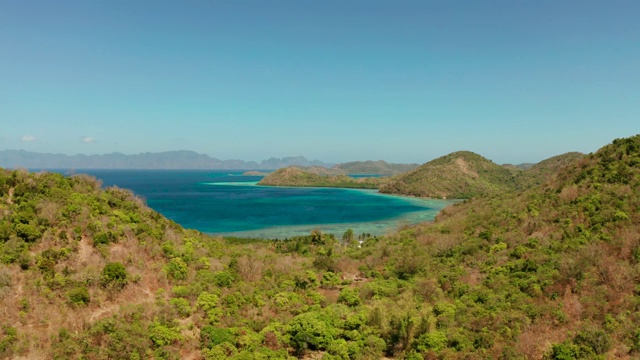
(336, 80)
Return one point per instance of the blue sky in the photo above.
(405, 81)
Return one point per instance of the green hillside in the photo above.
(552, 271)
(461, 174)
(540, 172)
(374, 167)
(294, 176)
(549, 273)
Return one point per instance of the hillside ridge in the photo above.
(461, 174)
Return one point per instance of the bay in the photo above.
(223, 202)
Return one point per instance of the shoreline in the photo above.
(373, 191)
(431, 207)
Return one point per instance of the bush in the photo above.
(211, 336)
(104, 238)
(177, 269)
(181, 306)
(310, 331)
(79, 296)
(27, 232)
(114, 274)
(595, 340)
(349, 297)
(181, 291)
(330, 280)
(8, 336)
(224, 278)
(564, 351)
(209, 303)
(431, 341)
(162, 334)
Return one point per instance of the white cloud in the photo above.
(88, 139)
(27, 138)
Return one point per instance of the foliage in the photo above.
(177, 268)
(212, 336)
(114, 274)
(541, 271)
(163, 334)
(79, 296)
(295, 176)
(349, 297)
(458, 175)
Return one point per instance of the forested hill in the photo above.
(461, 174)
(540, 172)
(465, 174)
(552, 272)
(374, 167)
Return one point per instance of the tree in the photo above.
(348, 237)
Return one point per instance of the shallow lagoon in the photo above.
(227, 203)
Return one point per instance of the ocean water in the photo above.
(223, 202)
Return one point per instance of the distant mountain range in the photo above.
(163, 160)
(374, 167)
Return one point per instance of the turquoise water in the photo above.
(228, 203)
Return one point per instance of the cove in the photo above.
(223, 202)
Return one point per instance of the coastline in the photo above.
(431, 207)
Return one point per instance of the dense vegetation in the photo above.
(464, 174)
(537, 174)
(552, 272)
(459, 175)
(374, 167)
(294, 176)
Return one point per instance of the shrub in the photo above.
(8, 336)
(211, 336)
(78, 296)
(310, 331)
(595, 340)
(330, 280)
(434, 341)
(104, 238)
(349, 297)
(181, 306)
(27, 232)
(181, 291)
(114, 274)
(209, 303)
(177, 269)
(564, 351)
(162, 334)
(224, 278)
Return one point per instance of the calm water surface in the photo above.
(227, 203)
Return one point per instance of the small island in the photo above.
(318, 177)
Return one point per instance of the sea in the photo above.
(228, 203)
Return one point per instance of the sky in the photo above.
(336, 80)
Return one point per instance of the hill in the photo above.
(374, 167)
(523, 166)
(461, 174)
(561, 258)
(162, 160)
(316, 177)
(551, 272)
(540, 172)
